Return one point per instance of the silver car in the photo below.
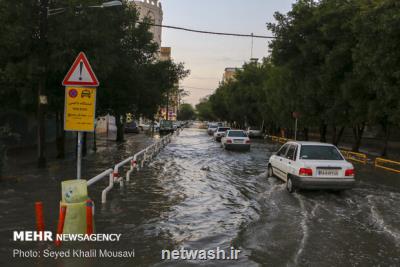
(236, 139)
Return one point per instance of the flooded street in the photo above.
(198, 196)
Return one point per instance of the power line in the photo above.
(208, 32)
(196, 88)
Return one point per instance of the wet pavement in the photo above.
(197, 196)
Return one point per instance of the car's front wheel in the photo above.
(270, 171)
(289, 185)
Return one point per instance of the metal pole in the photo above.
(252, 45)
(42, 101)
(167, 115)
(295, 130)
(79, 157)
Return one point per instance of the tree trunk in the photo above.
(60, 135)
(3, 153)
(358, 131)
(120, 121)
(337, 136)
(305, 133)
(322, 133)
(334, 134)
(386, 141)
(84, 144)
(94, 141)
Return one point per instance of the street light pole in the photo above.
(167, 115)
(42, 98)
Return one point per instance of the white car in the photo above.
(144, 126)
(254, 132)
(220, 132)
(236, 139)
(311, 165)
(212, 128)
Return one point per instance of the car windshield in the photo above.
(223, 129)
(237, 134)
(166, 123)
(213, 126)
(320, 153)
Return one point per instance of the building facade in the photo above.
(165, 53)
(229, 74)
(153, 10)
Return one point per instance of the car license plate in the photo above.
(328, 172)
(237, 141)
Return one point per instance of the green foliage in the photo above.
(204, 110)
(121, 52)
(186, 112)
(335, 62)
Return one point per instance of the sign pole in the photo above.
(79, 157)
(295, 130)
(80, 102)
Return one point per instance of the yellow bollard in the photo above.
(74, 196)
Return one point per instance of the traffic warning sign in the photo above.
(81, 73)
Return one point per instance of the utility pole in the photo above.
(42, 98)
(252, 45)
(167, 116)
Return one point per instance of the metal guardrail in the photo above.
(99, 177)
(379, 163)
(136, 161)
(355, 156)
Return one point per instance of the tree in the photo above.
(204, 110)
(186, 112)
(377, 62)
(121, 51)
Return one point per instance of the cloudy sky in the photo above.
(207, 55)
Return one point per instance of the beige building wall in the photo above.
(153, 10)
(229, 74)
(165, 53)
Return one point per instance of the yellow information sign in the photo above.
(80, 109)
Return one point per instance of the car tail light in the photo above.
(229, 141)
(349, 172)
(305, 172)
(248, 141)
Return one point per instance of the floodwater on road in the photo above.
(198, 196)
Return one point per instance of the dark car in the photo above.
(131, 127)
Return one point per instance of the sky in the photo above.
(207, 56)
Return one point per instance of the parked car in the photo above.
(311, 165)
(144, 126)
(236, 139)
(220, 132)
(156, 126)
(212, 128)
(254, 132)
(132, 127)
(166, 126)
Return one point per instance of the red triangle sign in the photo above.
(81, 73)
